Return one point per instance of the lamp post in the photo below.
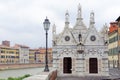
(46, 24)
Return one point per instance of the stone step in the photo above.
(83, 78)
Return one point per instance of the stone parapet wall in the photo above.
(17, 66)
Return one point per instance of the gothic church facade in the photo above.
(80, 51)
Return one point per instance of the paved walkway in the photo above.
(114, 75)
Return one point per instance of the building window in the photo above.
(2, 51)
(119, 24)
(17, 56)
(17, 52)
(114, 39)
(2, 56)
(113, 51)
(118, 49)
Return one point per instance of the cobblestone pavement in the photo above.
(114, 75)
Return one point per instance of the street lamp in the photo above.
(46, 24)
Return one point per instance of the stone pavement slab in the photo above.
(37, 77)
(42, 76)
(84, 78)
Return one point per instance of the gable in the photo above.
(80, 25)
(93, 37)
(66, 38)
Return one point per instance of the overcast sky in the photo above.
(21, 21)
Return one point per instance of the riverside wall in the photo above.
(20, 66)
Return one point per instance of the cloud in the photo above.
(21, 21)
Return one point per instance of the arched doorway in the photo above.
(93, 65)
(67, 65)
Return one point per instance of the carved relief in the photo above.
(87, 65)
(99, 64)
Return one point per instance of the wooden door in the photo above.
(67, 65)
(93, 65)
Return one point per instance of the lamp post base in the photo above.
(46, 69)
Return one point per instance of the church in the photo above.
(81, 50)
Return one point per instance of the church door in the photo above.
(93, 65)
(67, 65)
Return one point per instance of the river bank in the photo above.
(4, 74)
(21, 66)
(17, 78)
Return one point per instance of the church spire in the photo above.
(67, 19)
(54, 35)
(92, 21)
(54, 29)
(79, 13)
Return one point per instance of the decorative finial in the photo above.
(67, 17)
(92, 21)
(106, 27)
(105, 24)
(92, 17)
(79, 15)
(54, 29)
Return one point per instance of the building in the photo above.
(23, 53)
(118, 20)
(114, 38)
(43, 53)
(32, 55)
(50, 55)
(80, 51)
(8, 55)
(37, 56)
(113, 45)
(6, 43)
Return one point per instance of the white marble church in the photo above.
(80, 51)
